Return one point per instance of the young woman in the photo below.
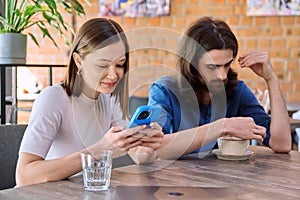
(207, 100)
(87, 110)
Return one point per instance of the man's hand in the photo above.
(243, 128)
(259, 62)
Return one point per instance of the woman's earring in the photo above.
(79, 72)
(77, 88)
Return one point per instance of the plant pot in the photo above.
(13, 48)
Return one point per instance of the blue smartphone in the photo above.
(145, 115)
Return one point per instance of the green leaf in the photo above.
(67, 41)
(62, 21)
(77, 7)
(6, 25)
(20, 15)
(52, 5)
(47, 34)
(34, 39)
(47, 17)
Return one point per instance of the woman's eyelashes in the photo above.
(120, 65)
(103, 66)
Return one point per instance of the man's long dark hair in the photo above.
(203, 35)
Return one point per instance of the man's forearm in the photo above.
(280, 140)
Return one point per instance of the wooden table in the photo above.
(265, 175)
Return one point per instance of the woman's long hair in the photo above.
(95, 34)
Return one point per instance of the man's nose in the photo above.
(222, 73)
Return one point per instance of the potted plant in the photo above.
(19, 15)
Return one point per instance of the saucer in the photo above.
(221, 156)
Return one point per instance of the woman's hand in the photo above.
(151, 136)
(140, 150)
(258, 62)
(119, 140)
(142, 155)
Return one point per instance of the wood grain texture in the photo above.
(265, 175)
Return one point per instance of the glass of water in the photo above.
(96, 166)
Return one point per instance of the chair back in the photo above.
(10, 139)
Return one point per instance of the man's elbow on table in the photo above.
(281, 147)
(280, 140)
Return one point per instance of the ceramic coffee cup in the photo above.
(232, 145)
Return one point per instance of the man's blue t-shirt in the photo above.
(181, 110)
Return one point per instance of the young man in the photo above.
(206, 100)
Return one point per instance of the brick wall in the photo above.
(279, 35)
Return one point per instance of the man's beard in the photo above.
(217, 86)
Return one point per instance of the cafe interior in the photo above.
(154, 28)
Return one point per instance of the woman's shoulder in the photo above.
(53, 90)
(53, 95)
